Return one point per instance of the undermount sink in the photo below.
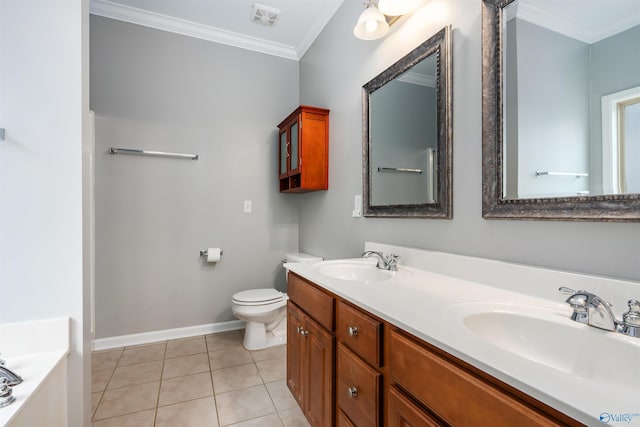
(356, 270)
(551, 339)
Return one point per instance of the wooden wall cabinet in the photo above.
(303, 143)
(385, 376)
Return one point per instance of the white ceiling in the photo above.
(586, 20)
(229, 21)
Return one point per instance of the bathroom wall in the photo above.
(160, 91)
(44, 106)
(331, 75)
(402, 143)
(553, 88)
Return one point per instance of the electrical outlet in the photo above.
(247, 206)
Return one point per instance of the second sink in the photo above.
(550, 338)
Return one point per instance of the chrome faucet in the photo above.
(384, 262)
(592, 310)
(11, 377)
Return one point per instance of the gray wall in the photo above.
(44, 106)
(159, 91)
(553, 89)
(510, 142)
(332, 74)
(403, 126)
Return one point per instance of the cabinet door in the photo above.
(294, 148)
(402, 413)
(284, 155)
(319, 374)
(295, 352)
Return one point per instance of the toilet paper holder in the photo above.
(205, 253)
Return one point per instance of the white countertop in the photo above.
(425, 304)
(32, 350)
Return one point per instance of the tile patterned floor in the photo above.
(202, 381)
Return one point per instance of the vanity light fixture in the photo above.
(398, 7)
(376, 19)
(372, 24)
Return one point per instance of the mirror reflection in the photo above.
(407, 134)
(404, 137)
(571, 98)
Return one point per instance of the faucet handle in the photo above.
(632, 317)
(392, 262)
(631, 320)
(567, 291)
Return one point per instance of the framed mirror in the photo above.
(561, 110)
(407, 135)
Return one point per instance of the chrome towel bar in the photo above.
(400, 170)
(114, 150)
(576, 174)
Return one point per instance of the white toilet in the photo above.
(265, 311)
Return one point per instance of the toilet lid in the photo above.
(258, 296)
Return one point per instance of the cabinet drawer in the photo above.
(401, 412)
(453, 393)
(357, 388)
(343, 421)
(317, 303)
(360, 332)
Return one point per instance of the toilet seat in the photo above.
(258, 297)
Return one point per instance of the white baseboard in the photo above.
(167, 334)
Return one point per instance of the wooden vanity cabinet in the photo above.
(358, 363)
(455, 393)
(310, 350)
(402, 412)
(303, 143)
(379, 375)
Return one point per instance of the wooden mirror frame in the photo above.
(619, 207)
(440, 45)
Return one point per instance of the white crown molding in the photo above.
(538, 15)
(418, 79)
(159, 21)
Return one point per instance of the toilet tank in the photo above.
(302, 257)
(299, 257)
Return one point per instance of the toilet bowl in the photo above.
(265, 312)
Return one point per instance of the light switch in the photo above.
(357, 206)
(247, 206)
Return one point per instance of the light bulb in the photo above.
(371, 26)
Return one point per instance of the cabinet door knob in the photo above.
(352, 392)
(299, 329)
(352, 331)
(304, 333)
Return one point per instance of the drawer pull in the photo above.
(352, 331)
(352, 392)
